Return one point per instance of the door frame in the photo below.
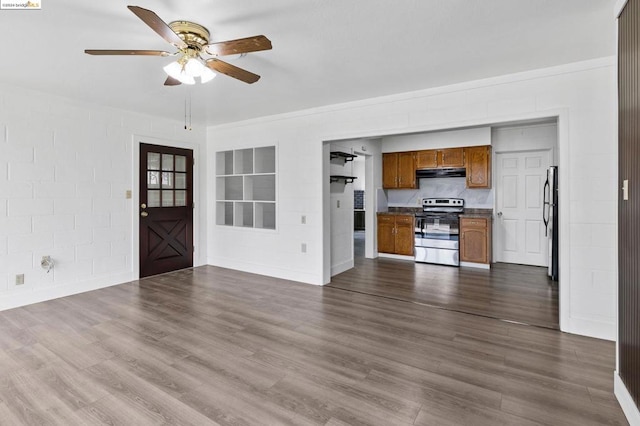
(198, 239)
(497, 241)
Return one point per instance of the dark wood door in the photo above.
(166, 209)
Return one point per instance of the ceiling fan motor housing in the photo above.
(195, 35)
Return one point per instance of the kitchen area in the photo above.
(465, 220)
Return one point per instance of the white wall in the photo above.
(581, 95)
(65, 167)
(436, 140)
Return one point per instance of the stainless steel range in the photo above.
(437, 231)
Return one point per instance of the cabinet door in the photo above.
(390, 170)
(478, 166)
(474, 240)
(405, 235)
(452, 157)
(386, 234)
(406, 170)
(427, 159)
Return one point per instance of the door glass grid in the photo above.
(166, 180)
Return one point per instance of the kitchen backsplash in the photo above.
(358, 199)
(441, 187)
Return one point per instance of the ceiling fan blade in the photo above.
(232, 70)
(127, 52)
(158, 25)
(241, 45)
(170, 81)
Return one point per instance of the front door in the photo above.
(166, 209)
(519, 196)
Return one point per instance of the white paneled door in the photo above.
(519, 195)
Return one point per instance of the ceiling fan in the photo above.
(192, 41)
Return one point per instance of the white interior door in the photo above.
(519, 195)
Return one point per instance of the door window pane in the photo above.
(181, 180)
(167, 198)
(167, 180)
(181, 163)
(181, 198)
(153, 161)
(153, 198)
(167, 162)
(153, 179)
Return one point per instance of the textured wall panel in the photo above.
(629, 211)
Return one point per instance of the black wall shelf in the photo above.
(344, 155)
(346, 179)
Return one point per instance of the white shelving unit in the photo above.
(246, 187)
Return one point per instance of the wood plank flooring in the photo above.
(511, 292)
(210, 346)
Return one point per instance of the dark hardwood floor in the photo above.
(214, 346)
(510, 292)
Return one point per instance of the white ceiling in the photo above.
(324, 51)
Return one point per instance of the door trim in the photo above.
(199, 240)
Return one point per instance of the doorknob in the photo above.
(144, 214)
(499, 214)
(143, 206)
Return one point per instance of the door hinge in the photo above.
(193, 249)
(193, 205)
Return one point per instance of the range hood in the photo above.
(441, 173)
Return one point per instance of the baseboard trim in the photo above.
(269, 271)
(341, 267)
(42, 294)
(475, 265)
(396, 256)
(626, 401)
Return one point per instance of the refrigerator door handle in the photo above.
(546, 207)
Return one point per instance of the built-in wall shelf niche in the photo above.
(246, 187)
(345, 156)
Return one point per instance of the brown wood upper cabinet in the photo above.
(475, 240)
(478, 164)
(395, 234)
(399, 170)
(440, 158)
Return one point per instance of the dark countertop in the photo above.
(394, 213)
(478, 213)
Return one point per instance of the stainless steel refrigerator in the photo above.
(550, 219)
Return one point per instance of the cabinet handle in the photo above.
(443, 156)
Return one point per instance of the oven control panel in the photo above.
(442, 202)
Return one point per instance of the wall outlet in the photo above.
(19, 279)
(128, 194)
(303, 219)
(338, 203)
(303, 248)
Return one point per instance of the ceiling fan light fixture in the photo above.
(186, 71)
(207, 75)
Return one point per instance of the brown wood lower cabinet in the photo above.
(395, 234)
(475, 240)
